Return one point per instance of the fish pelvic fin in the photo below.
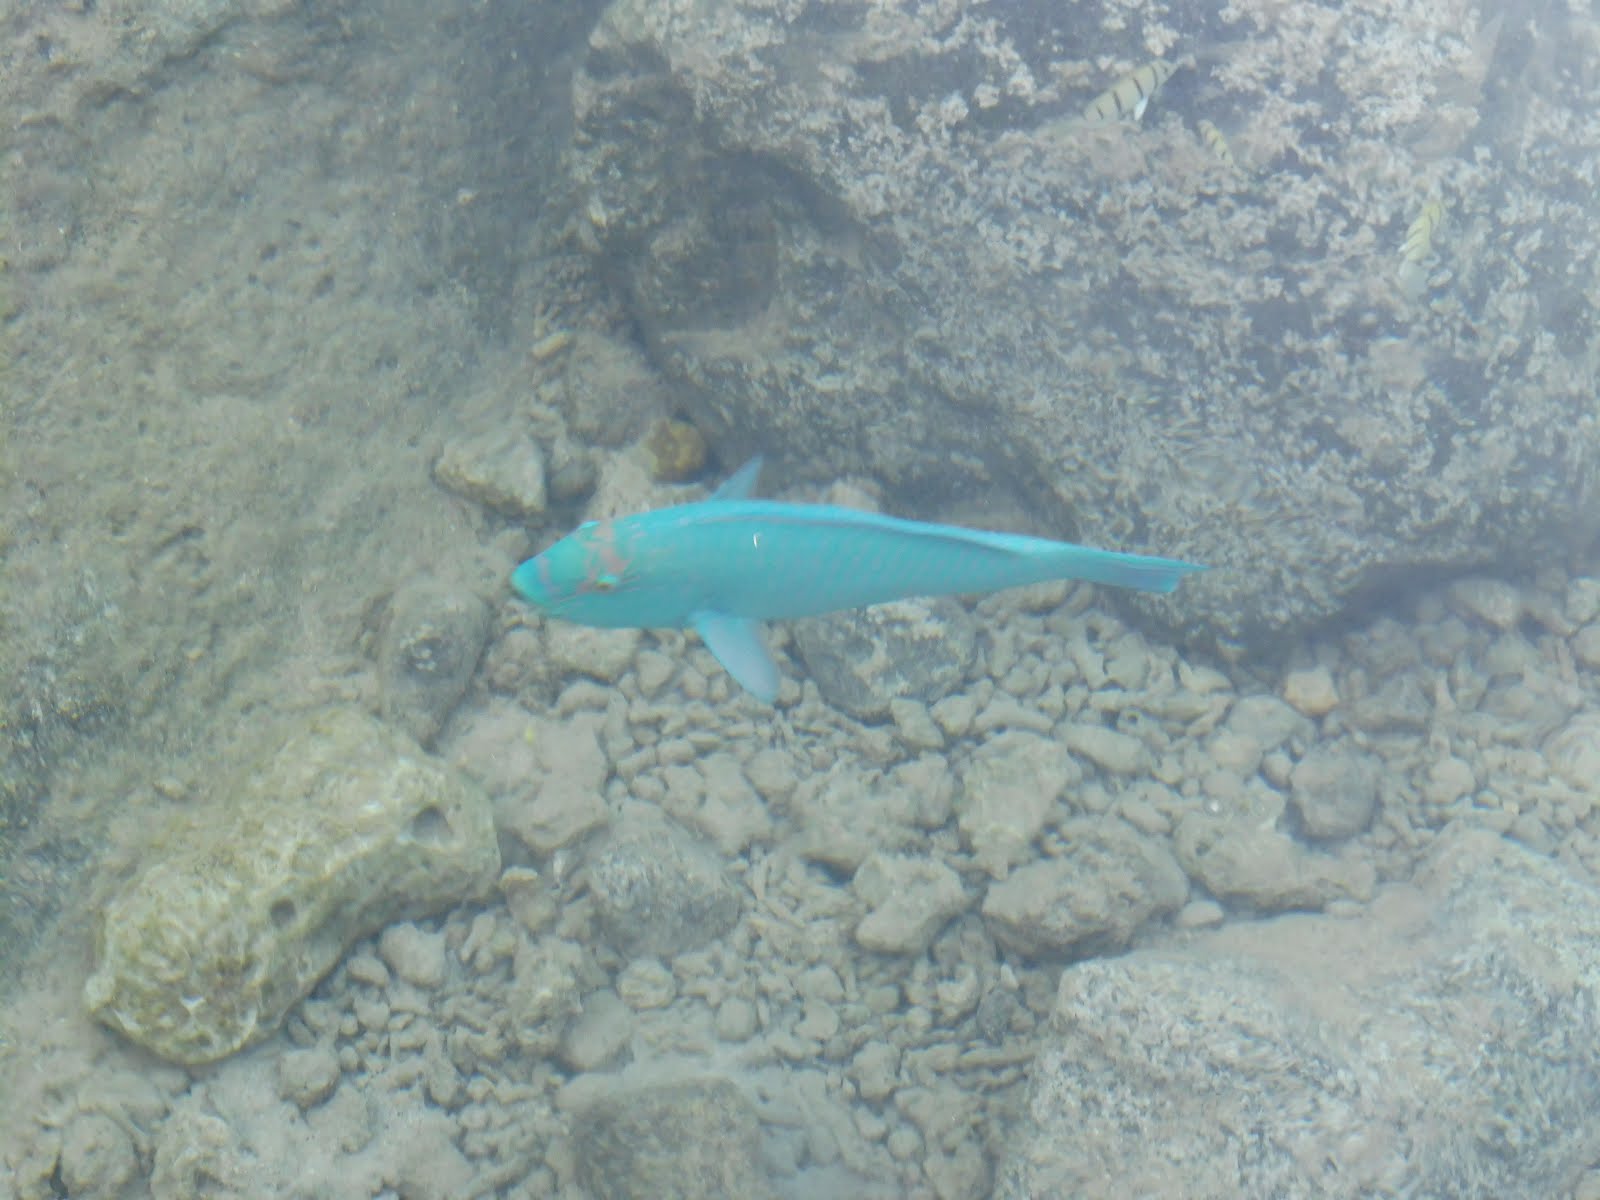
(738, 645)
(741, 483)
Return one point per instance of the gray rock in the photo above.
(1009, 787)
(307, 1077)
(1266, 868)
(501, 471)
(1109, 881)
(697, 1140)
(416, 955)
(431, 644)
(598, 1034)
(98, 1161)
(658, 891)
(1016, 321)
(1359, 1045)
(1335, 791)
(335, 830)
(863, 659)
(911, 899)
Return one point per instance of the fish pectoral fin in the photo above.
(739, 647)
(741, 483)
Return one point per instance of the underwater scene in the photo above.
(799, 599)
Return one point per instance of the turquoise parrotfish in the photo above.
(723, 565)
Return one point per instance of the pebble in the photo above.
(364, 968)
(911, 899)
(307, 1077)
(1492, 601)
(646, 984)
(735, 1020)
(1586, 646)
(1311, 693)
(415, 955)
(1335, 791)
(875, 1070)
(1448, 780)
(599, 1033)
(1118, 753)
(97, 1159)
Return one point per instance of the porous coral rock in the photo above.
(339, 829)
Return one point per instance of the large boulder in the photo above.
(342, 828)
(886, 240)
(1442, 1044)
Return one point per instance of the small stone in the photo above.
(1108, 749)
(1492, 601)
(699, 1138)
(1586, 646)
(1311, 693)
(603, 654)
(819, 1024)
(599, 1033)
(415, 955)
(735, 1020)
(915, 725)
(1448, 780)
(1265, 867)
(1009, 787)
(875, 1070)
(658, 891)
(364, 968)
(911, 898)
(307, 1077)
(1335, 792)
(432, 640)
(499, 471)
(562, 800)
(97, 1159)
(645, 984)
(1199, 914)
(954, 714)
(1109, 881)
(653, 670)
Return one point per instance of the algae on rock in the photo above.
(341, 828)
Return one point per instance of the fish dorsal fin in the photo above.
(741, 483)
(738, 646)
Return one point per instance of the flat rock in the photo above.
(1266, 868)
(657, 890)
(431, 643)
(501, 471)
(1008, 788)
(694, 1140)
(912, 649)
(1109, 881)
(340, 827)
(1335, 791)
(911, 899)
(1403, 1053)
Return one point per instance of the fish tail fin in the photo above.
(1140, 572)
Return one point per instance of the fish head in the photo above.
(585, 577)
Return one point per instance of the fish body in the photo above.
(1419, 234)
(1215, 142)
(1130, 95)
(725, 564)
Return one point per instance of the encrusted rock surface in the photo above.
(886, 241)
(1443, 1043)
(341, 828)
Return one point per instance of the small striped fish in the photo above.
(1129, 96)
(1215, 142)
(1419, 234)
